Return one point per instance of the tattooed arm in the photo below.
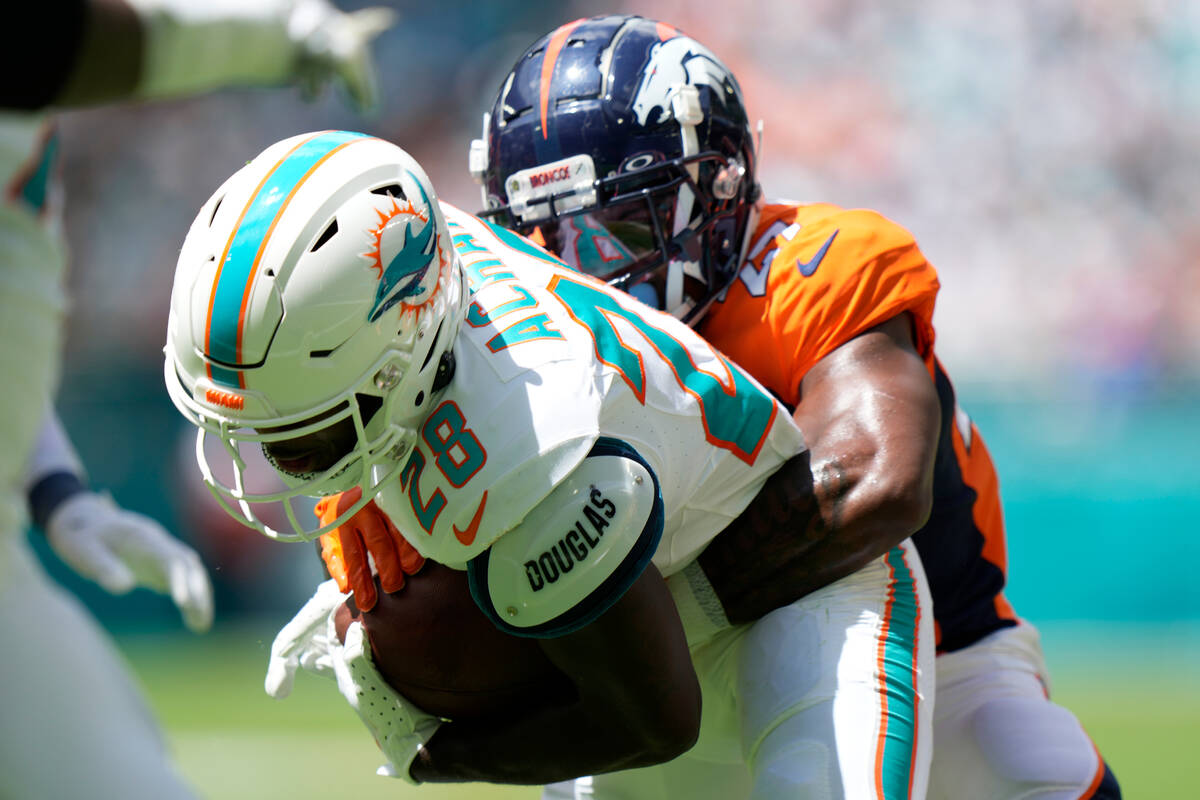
(870, 416)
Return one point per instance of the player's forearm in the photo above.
(638, 704)
(545, 746)
(871, 419)
(809, 526)
(824, 515)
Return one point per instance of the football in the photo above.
(433, 645)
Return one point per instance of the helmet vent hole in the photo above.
(391, 190)
(325, 236)
(216, 207)
(320, 353)
(270, 273)
(432, 346)
(420, 397)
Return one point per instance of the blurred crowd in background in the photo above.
(1045, 154)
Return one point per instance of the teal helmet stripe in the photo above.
(236, 272)
(225, 376)
(898, 659)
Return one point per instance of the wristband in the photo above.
(48, 493)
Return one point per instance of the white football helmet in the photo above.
(316, 301)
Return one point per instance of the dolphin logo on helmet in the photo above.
(403, 278)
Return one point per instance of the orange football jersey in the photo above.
(815, 277)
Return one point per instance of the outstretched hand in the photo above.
(336, 45)
(122, 550)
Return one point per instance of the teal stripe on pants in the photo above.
(899, 680)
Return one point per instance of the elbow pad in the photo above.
(575, 554)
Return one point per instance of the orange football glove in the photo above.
(345, 549)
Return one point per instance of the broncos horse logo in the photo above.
(676, 62)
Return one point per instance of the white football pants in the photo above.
(828, 698)
(997, 735)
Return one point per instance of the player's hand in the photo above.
(400, 728)
(347, 550)
(337, 45)
(304, 642)
(120, 550)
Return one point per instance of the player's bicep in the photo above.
(871, 405)
(577, 553)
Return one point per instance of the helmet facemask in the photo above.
(362, 439)
(657, 233)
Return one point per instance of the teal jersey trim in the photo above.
(737, 418)
(36, 187)
(523, 245)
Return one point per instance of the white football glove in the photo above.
(305, 641)
(120, 549)
(337, 45)
(399, 727)
(309, 641)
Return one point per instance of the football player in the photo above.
(570, 448)
(623, 145)
(74, 724)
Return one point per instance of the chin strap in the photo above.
(686, 110)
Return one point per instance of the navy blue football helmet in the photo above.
(624, 145)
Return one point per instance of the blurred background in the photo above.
(1045, 154)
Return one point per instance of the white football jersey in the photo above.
(549, 363)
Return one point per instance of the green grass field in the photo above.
(236, 743)
(1138, 694)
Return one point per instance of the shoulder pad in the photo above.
(574, 555)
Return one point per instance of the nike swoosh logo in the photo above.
(468, 536)
(807, 268)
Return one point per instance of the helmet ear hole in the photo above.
(445, 371)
